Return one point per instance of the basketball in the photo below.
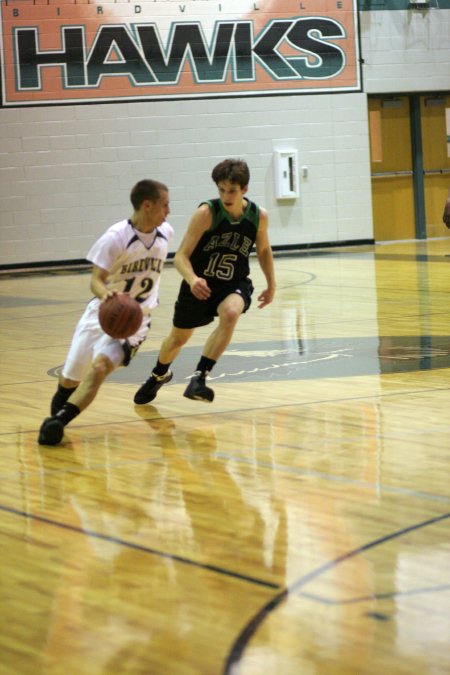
(120, 316)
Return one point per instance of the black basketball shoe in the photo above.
(51, 431)
(150, 388)
(197, 389)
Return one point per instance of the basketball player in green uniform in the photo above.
(213, 260)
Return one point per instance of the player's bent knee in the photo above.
(230, 316)
(100, 369)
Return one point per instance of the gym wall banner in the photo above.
(78, 51)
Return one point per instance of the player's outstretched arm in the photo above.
(265, 258)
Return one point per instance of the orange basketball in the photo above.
(120, 316)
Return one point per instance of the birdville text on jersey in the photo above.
(60, 52)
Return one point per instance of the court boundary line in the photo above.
(376, 596)
(237, 649)
(139, 547)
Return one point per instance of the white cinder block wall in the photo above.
(66, 171)
(406, 50)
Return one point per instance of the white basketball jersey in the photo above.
(134, 259)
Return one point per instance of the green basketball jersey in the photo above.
(223, 251)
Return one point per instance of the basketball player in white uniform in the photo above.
(128, 258)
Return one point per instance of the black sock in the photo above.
(67, 413)
(205, 366)
(160, 368)
(61, 396)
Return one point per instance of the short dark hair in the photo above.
(234, 170)
(146, 189)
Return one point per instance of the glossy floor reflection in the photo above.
(299, 524)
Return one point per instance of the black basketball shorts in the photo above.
(192, 313)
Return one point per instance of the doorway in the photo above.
(410, 165)
(436, 160)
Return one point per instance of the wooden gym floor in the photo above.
(299, 525)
